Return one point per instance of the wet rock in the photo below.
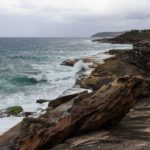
(69, 62)
(90, 61)
(11, 111)
(14, 110)
(106, 107)
(27, 114)
(41, 101)
(3, 113)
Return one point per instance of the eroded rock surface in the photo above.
(113, 68)
(106, 107)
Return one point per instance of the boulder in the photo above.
(103, 108)
(69, 62)
(41, 101)
(141, 55)
(11, 111)
(90, 61)
(14, 110)
(27, 114)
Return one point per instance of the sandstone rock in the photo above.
(105, 107)
(113, 68)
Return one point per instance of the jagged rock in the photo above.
(113, 68)
(105, 107)
(141, 55)
(27, 114)
(69, 62)
(90, 61)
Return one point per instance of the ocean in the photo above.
(30, 69)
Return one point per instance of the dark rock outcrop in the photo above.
(141, 55)
(106, 107)
(63, 99)
(91, 61)
(41, 101)
(113, 68)
(69, 62)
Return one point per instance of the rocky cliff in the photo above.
(104, 108)
(141, 55)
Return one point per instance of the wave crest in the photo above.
(27, 80)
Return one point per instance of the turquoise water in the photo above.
(30, 68)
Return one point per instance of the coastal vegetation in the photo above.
(134, 35)
(130, 37)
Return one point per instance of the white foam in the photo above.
(60, 79)
(79, 66)
(8, 122)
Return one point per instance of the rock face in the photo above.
(105, 107)
(141, 54)
(122, 64)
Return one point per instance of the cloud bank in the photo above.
(71, 17)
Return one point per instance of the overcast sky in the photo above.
(71, 17)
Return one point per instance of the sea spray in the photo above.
(80, 65)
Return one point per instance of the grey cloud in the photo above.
(53, 21)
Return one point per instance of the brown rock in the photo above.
(113, 68)
(106, 107)
(60, 100)
(141, 55)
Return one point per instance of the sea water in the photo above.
(30, 69)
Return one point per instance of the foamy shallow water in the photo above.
(8, 122)
(30, 69)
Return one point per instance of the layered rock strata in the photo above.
(106, 107)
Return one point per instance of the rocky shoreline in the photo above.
(121, 90)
